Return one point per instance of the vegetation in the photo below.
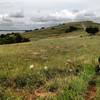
(12, 38)
(71, 29)
(54, 65)
(92, 30)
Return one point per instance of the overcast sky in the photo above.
(27, 14)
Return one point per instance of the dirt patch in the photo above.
(30, 97)
(41, 93)
(71, 37)
(91, 93)
(91, 90)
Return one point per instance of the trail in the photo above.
(72, 37)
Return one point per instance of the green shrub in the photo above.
(2, 92)
(29, 81)
(92, 30)
(92, 82)
(54, 72)
(53, 87)
(76, 87)
(12, 38)
(71, 29)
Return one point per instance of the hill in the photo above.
(60, 30)
(54, 65)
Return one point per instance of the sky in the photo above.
(29, 14)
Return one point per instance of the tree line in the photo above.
(12, 38)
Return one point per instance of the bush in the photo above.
(42, 27)
(28, 30)
(71, 29)
(12, 38)
(53, 28)
(51, 73)
(36, 29)
(92, 82)
(92, 30)
(2, 94)
(53, 87)
(33, 81)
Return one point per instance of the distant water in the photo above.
(5, 32)
(20, 29)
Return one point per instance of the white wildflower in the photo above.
(45, 67)
(70, 70)
(31, 66)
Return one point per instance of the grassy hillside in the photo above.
(51, 66)
(60, 30)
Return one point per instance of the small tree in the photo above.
(71, 29)
(12, 38)
(92, 30)
(18, 38)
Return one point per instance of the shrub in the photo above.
(2, 92)
(51, 73)
(18, 38)
(21, 82)
(28, 30)
(53, 87)
(12, 38)
(92, 30)
(92, 82)
(42, 27)
(71, 29)
(29, 81)
(53, 28)
(36, 29)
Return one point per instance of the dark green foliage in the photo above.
(71, 29)
(28, 30)
(36, 29)
(50, 73)
(92, 82)
(2, 80)
(53, 87)
(12, 38)
(42, 27)
(53, 28)
(97, 69)
(18, 38)
(21, 82)
(6, 81)
(92, 30)
(2, 92)
(29, 81)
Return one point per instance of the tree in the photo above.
(92, 30)
(2, 36)
(12, 38)
(18, 38)
(71, 29)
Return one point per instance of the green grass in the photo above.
(63, 65)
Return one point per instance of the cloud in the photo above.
(12, 18)
(65, 16)
(85, 15)
(40, 18)
(75, 15)
(12, 21)
(45, 19)
(18, 14)
(9, 17)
